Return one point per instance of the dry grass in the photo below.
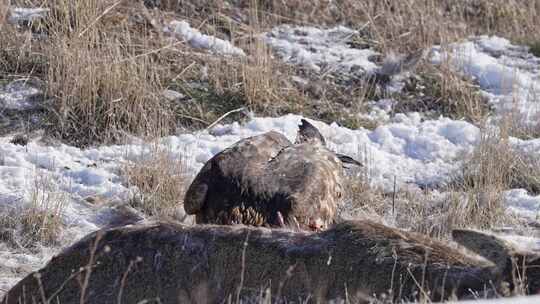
(42, 221)
(473, 199)
(161, 179)
(101, 97)
(100, 84)
(398, 26)
(257, 70)
(484, 177)
(526, 173)
(410, 209)
(440, 90)
(394, 25)
(403, 26)
(20, 56)
(39, 221)
(100, 74)
(496, 166)
(258, 82)
(266, 83)
(106, 85)
(518, 125)
(431, 213)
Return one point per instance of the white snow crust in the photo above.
(19, 95)
(508, 74)
(516, 300)
(320, 49)
(20, 14)
(183, 31)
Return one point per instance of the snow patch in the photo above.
(522, 243)
(183, 31)
(521, 203)
(320, 49)
(508, 74)
(13, 265)
(514, 300)
(19, 15)
(416, 151)
(20, 95)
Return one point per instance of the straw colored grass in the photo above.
(161, 179)
(38, 221)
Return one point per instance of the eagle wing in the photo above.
(229, 171)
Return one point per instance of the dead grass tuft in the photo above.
(20, 54)
(516, 124)
(39, 221)
(101, 84)
(474, 199)
(161, 179)
(485, 175)
(394, 25)
(526, 173)
(439, 90)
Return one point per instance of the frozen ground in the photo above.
(508, 74)
(415, 151)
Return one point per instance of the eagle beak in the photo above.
(348, 160)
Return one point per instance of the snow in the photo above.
(523, 243)
(508, 74)
(416, 151)
(379, 111)
(19, 95)
(19, 14)
(320, 49)
(15, 265)
(516, 300)
(523, 204)
(183, 31)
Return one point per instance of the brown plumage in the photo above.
(266, 180)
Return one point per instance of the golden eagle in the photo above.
(266, 180)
